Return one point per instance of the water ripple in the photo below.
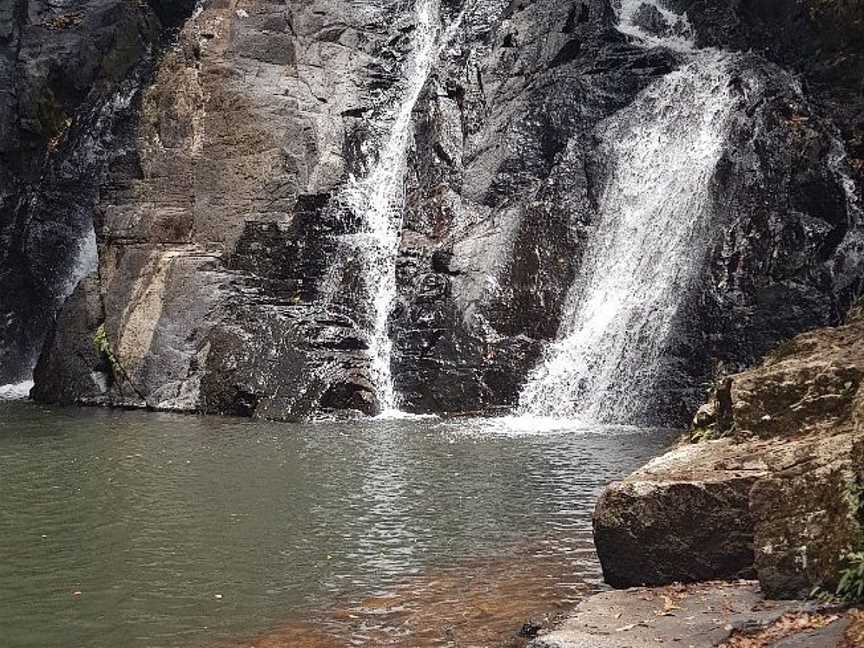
(153, 530)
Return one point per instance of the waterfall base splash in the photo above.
(16, 391)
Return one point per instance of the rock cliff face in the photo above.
(68, 73)
(226, 281)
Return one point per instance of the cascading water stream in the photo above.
(379, 200)
(671, 30)
(661, 153)
(85, 262)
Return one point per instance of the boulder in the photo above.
(778, 496)
(683, 517)
(810, 383)
(808, 515)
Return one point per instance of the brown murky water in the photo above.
(158, 531)
(494, 602)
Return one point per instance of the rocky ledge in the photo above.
(708, 615)
(767, 485)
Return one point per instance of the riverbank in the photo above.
(769, 485)
(704, 615)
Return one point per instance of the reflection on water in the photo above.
(187, 531)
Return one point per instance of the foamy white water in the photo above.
(648, 246)
(16, 391)
(837, 160)
(379, 199)
(679, 33)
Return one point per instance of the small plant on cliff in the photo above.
(103, 347)
(701, 433)
(851, 585)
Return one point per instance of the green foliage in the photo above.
(703, 433)
(103, 347)
(100, 340)
(826, 598)
(851, 586)
(852, 495)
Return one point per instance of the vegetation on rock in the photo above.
(851, 586)
(103, 346)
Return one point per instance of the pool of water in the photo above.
(147, 530)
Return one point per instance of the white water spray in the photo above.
(650, 239)
(16, 391)
(379, 200)
(675, 30)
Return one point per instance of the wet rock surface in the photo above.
(68, 72)
(225, 267)
(87, 372)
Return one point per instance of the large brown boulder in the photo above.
(778, 495)
(683, 517)
(807, 516)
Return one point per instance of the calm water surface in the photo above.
(154, 531)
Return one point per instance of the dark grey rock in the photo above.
(75, 370)
(831, 636)
(649, 18)
(222, 195)
(64, 68)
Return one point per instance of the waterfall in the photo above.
(650, 238)
(379, 201)
(84, 262)
(16, 391)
